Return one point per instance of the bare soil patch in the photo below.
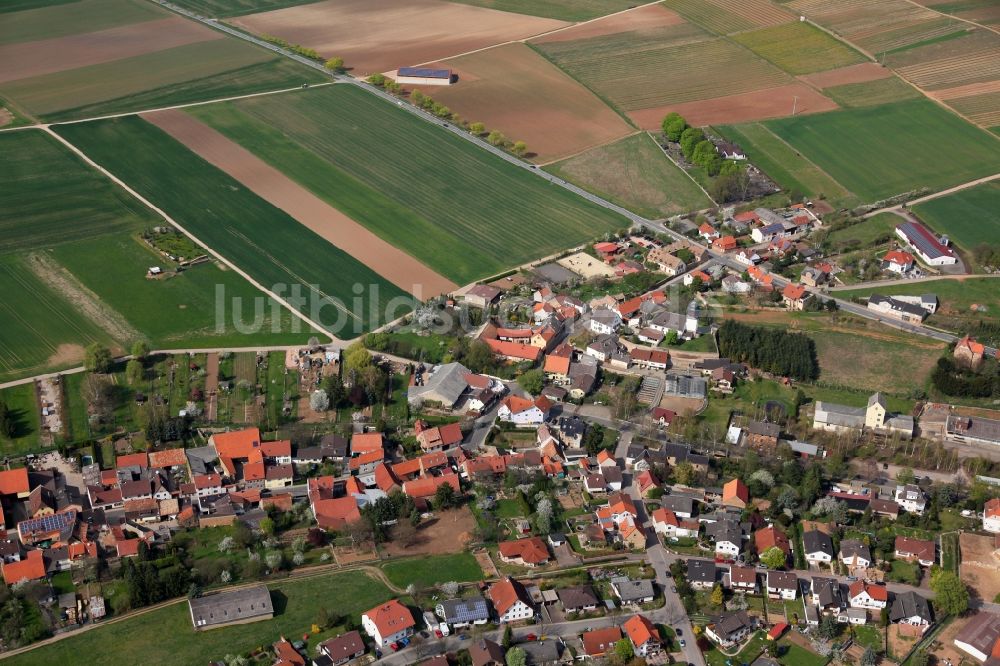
(980, 567)
(744, 107)
(586, 266)
(20, 61)
(860, 73)
(943, 646)
(67, 353)
(378, 36)
(447, 532)
(312, 212)
(682, 405)
(345, 555)
(514, 89)
(642, 18)
(486, 563)
(6, 117)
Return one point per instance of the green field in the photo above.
(865, 234)
(564, 10)
(165, 636)
(190, 73)
(629, 68)
(464, 212)
(27, 418)
(879, 152)
(431, 570)
(228, 8)
(968, 217)
(41, 330)
(49, 196)
(264, 241)
(635, 174)
(788, 167)
(799, 48)
(872, 93)
(178, 312)
(955, 298)
(31, 20)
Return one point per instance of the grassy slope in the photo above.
(969, 217)
(565, 10)
(476, 199)
(634, 173)
(165, 636)
(31, 20)
(879, 152)
(180, 75)
(799, 48)
(258, 237)
(864, 234)
(228, 8)
(788, 168)
(416, 234)
(50, 196)
(180, 311)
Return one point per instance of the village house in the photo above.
(530, 552)
(388, 623)
(701, 574)
(728, 537)
(826, 594)
(633, 592)
(794, 296)
(730, 629)
(604, 321)
(911, 498)
(853, 553)
(341, 649)
(818, 547)
(864, 595)
(969, 353)
(897, 261)
(991, 516)
(911, 611)
(761, 435)
(771, 537)
(523, 412)
(598, 643)
(743, 579)
(921, 551)
(643, 636)
(782, 584)
(463, 612)
(578, 599)
(511, 601)
(736, 494)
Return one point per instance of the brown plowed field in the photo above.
(642, 18)
(513, 89)
(861, 73)
(20, 61)
(967, 91)
(379, 36)
(312, 212)
(745, 107)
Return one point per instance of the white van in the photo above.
(443, 628)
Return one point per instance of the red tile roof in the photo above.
(876, 592)
(558, 365)
(202, 481)
(237, 444)
(992, 508)
(532, 550)
(898, 257)
(32, 567)
(366, 443)
(769, 537)
(391, 618)
(724, 243)
(364, 458)
(336, 513)
(133, 459)
(428, 485)
(735, 489)
(598, 642)
(505, 593)
(793, 292)
(514, 350)
(640, 630)
(168, 458)
(14, 481)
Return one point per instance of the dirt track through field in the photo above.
(312, 212)
(20, 61)
(379, 36)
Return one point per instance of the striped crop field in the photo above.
(643, 74)
(970, 60)
(872, 93)
(728, 16)
(799, 48)
(984, 109)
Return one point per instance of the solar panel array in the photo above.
(426, 72)
(923, 240)
(50, 523)
(466, 610)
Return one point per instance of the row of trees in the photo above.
(952, 379)
(297, 49)
(769, 349)
(697, 148)
(425, 102)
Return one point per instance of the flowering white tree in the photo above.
(763, 477)
(226, 544)
(319, 401)
(273, 560)
(225, 576)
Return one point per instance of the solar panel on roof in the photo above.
(424, 72)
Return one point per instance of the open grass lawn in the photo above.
(21, 402)
(191, 73)
(31, 20)
(564, 10)
(869, 636)
(745, 656)
(510, 508)
(628, 68)
(40, 327)
(165, 636)
(787, 166)
(434, 569)
(463, 212)
(955, 299)
(262, 240)
(868, 233)
(703, 343)
(904, 572)
(968, 217)
(50, 196)
(179, 311)
(950, 552)
(634, 173)
(872, 93)
(799, 48)
(879, 152)
(795, 655)
(228, 8)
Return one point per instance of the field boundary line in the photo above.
(818, 168)
(674, 162)
(542, 165)
(955, 18)
(239, 271)
(935, 195)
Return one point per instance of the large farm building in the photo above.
(423, 76)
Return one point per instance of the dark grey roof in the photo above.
(633, 590)
(201, 459)
(910, 604)
(701, 571)
(815, 541)
(572, 426)
(484, 651)
(854, 548)
(547, 651)
(897, 305)
(685, 386)
(828, 591)
(728, 624)
(763, 428)
(343, 646)
(334, 446)
(677, 503)
(725, 530)
(231, 606)
(782, 580)
(470, 609)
